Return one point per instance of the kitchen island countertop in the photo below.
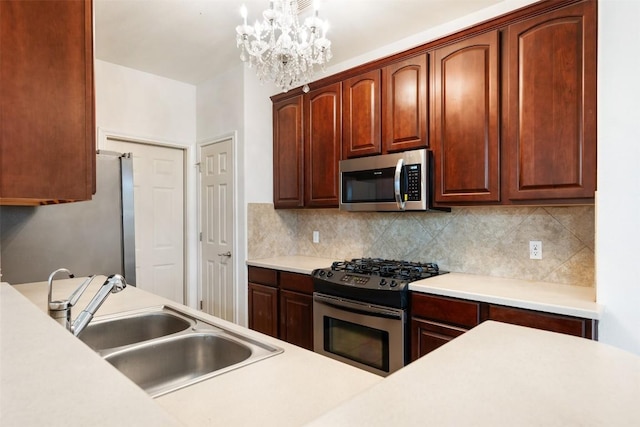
(49, 377)
(495, 374)
(504, 375)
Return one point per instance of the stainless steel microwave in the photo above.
(388, 182)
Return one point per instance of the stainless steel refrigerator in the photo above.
(91, 237)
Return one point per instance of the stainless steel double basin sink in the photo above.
(163, 349)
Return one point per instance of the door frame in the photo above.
(235, 260)
(187, 153)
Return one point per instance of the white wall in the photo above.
(618, 207)
(147, 107)
(223, 108)
(219, 105)
(144, 105)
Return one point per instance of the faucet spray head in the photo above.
(118, 281)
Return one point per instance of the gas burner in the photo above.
(403, 270)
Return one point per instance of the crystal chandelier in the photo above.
(282, 50)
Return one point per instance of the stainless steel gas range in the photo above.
(360, 311)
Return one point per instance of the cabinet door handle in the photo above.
(227, 254)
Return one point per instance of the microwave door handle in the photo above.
(396, 184)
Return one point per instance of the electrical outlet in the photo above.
(535, 249)
(316, 237)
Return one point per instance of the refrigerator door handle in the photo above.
(128, 219)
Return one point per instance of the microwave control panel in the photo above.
(414, 177)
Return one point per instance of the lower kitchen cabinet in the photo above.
(296, 309)
(296, 318)
(281, 305)
(427, 335)
(550, 322)
(436, 320)
(263, 309)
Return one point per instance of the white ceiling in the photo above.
(194, 40)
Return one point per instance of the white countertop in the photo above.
(49, 378)
(542, 296)
(505, 375)
(495, 374)
(569, 300)
(291, 388)
(295, 263)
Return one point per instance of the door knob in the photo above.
(228, 253)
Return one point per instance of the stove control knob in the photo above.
(394, 283)
(329, 273)
(322, 273)
(383, 282)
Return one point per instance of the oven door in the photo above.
(367, 336)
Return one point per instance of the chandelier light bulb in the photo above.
(243, 13)
(281, 49)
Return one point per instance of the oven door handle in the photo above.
(396, 184)
(369, 309)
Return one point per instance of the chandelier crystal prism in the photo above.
(280, 49)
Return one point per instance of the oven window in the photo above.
(356, 342)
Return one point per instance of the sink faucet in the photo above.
(61, 309)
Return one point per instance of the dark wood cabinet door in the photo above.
(296, 318)
(551, 105)
(288, 154)
(550, 322)
(426, 336)
(323, 145)
(47, 136)
(263, 309)
(361, 115)
(466, 137)
(404, 105)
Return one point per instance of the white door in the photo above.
(158, 180)
(217, 222)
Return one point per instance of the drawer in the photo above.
(448, 310)
(264, 276)
(296, 282)
(539, 320)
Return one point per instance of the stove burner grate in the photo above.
(403, 270)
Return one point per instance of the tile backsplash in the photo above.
(491, 241)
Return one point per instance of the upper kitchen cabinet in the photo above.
(47, 146)
(550, 95)
(466, 134)
(307, 144)
(323, 145)
(288, 153)
(361, 109)
(404, 105)
(385, 110)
